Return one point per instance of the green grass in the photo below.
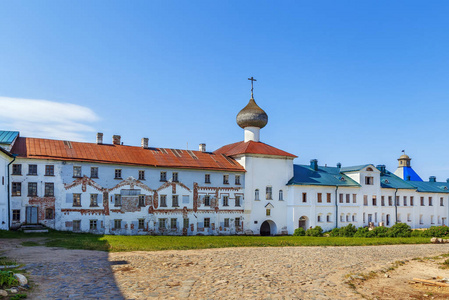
(115, 243)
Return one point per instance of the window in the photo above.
(173, 222)
(16, 169)
(268, 212)
(365, 200)
(430, 201)
(237, 179)
(382, 200)
(328, 218)
(76, 171)
(431, 220)
(411, 201)
(16, 215)
(329, 195)
(237, 222)
(141, 175)
(49, 189)
(186, 223)
(441, 201)
(163, 176)
(226, 222)
(207, 178)
(32, 169)
(390, 201)
(422, 201)
(319, 218)
(141, 224)
(374, 201)
(76, 199)
(16, 188)
(117, 200)
(49, 214)
(93, 172)
(342, 217)
(225, 201)
(174, 201)
(93, 224)
(175, 176)
(76, 225)
(93, 200)
(237, 200)
(319, 198)
(117, 224)
(405, 200)
(409, 217)
(304, 197)
(340, 198)
(354, 218)
(348, 218)
(225, 179)
(421, 220)
(163, 200)
(206, 222)
(256, 194)
(207, 200)
(118, 174)
(354, 198)
(269, 193)
(141, 200)
(162, 223)
(369, 180)
(281, 195)
(32, 189)
(348, 198)
(49, 170)
(397, 201)
(399, 217)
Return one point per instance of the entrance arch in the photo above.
(268, 227)
(303, 222)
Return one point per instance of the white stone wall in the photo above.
(4, 160)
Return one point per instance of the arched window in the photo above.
(342, 217)
(328, 217)
(348, 218)
(281, 195)
(320, 218)
(269, 193)
(369, 169)
(256, 194)
(354, 217)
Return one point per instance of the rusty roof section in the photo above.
(37, 148)
(252, 147)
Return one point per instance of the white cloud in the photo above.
(46, 119)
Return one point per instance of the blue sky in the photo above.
(342, 81)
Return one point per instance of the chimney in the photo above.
(99, 138)
(314, 164)
(339, 165)
(144, 143)
(202, 147)
(116, 139)
(432, 179)
(382, 169)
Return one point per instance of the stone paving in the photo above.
(231, 273)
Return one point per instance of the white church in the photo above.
(247, 187)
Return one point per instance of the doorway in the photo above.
(265, 229)
(303, 222)
(31, 215)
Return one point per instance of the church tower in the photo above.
(405, 170)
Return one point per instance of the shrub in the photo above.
(335, 232)
(399, 230)
(7, 279)
(299, 232)
(380, 231)
(418, 233)
(361, 232)
(316, 231)
(437, 231)
(348, 231)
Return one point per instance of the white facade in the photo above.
(4, 161)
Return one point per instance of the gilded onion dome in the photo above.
(252, 116)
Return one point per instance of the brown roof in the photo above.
(120, 154)
(251, 147)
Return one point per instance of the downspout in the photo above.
(395, 207)
(336, 207)
(9, 194)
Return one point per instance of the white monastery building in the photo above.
(247, 187)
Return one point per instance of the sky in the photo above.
(354, 82)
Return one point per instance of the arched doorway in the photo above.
(268, 228)
(303, 222)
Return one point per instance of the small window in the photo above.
(374, 201)
(175, 176)
(281, 195)
(409, 217)
(225, 179)
(16, 169)
(93, 224)
(76, 171)
(185, 223)
(354, 198)
(162, 223)
(328, 197)
(269, 193)
(207, 178)
(93, 200)
(348, 218)
(141, 224)
(175, 202)
(206, 200)
(268, 212)
(411, 201)
(49, 170)
(49, 189)
(141, 175)
(369, 180)
(76, 225)
(237, 179)
(405, 200)
(141, 200)
(441, 201)
(206, 222)
(226, 222)
(163, 176)
(16, 215)
(93, 172)
(382, 200)
(76, 199)
(16, 189)
(369, 169)
(430, 201)
(348, 198)
(365, 200)
(421, 219)
(319, 218)
(432, 221)
(319, 198)
(225, 201)
(354, 218)
(422, 201)
(49, 214)
(256, 194)
(397, 201)
(173, 223)
(118, 174)
(304, 197)
(237, 200)
(163, 200)
(117, 224)
(117, 200)
(237, 222)
(340, 198)
(328, 218)
(32, 189)
(32, 169)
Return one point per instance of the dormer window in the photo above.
(369, 180)
(369, 169)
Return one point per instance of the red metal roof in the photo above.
(120, 154)
(251, 147)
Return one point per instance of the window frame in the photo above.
(118, 174)
(49, 170)
(141, 174)
(163, 201)
(76, 200)
(30, 184)
(77, 172)
(16, 189)
(93, 172)
(163, 176)
(16, 169)
(49, 189)
(30, 173)
(93, 200)
(206, 178)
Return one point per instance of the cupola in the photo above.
(404, 160)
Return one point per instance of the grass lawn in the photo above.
(116, 243)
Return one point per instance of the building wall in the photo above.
(4, 160)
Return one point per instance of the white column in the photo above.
(252, 134)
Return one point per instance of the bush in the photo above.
(335, 232)
(380, 231)
(348, 231)
(436, 231)
(7, 279)
(361, 232)
(418, 233)
(316, 231)
(299, 232)
(399, 230)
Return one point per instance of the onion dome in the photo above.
(252, 116)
